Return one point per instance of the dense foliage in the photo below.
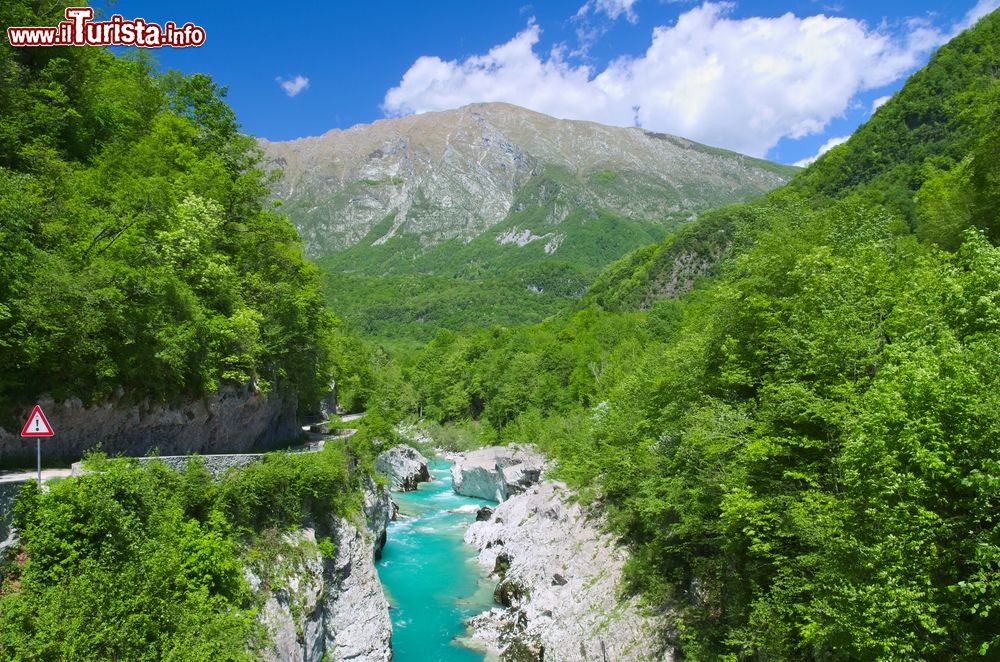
(789, 409)
(138, 249)
(410, 309)
(801, 450)
(139, 254)
(146, 563)
(932, 126)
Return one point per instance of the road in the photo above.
(314, 444)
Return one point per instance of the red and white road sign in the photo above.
(37, 425)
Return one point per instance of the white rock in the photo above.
(462, 174)
(497, 472)
(404, 466)
(357, 623)
(561, 583)
(329, 608)
(235, 419)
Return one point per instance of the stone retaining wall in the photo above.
(235, 419)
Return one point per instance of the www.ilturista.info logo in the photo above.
(79, 30)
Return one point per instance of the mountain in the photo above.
(492, 197)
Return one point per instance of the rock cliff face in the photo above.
(497, 472)
(233, 420)
(559, 583)
(461, 173)
(404, 466)
(537, 206)
(322, 606)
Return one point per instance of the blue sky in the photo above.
(779, 80)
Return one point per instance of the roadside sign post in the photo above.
(37, 427)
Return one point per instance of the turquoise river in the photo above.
(430, 575)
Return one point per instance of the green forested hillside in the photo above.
(801, 447)
(462, 286)
(789, 408)
(913, 156)
(139, 252)
(933, 126)
(138, 249)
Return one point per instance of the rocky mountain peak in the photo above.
(459, 173)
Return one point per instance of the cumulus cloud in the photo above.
(294, 85)
(826, 147)
(739, 83)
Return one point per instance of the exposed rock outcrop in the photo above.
(233, 420)
(322, 596)
(497, 472)
(462, 173)
(404, 466)
(559, 581)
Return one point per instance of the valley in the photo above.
(486, 384)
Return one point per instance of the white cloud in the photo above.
(590, 26)
(827, 146)
(293, 86)
(981, 8)
(737, 83)
(509, 72)
(612, 8)
(881, 101)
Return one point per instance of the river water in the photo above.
(430, 575)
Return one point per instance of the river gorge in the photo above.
(430, 575)
(487, 559)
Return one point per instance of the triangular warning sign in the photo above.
(37, 425)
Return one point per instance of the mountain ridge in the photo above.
(922, 132)
(457, 173)
(512, 210)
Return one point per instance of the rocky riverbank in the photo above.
(322, 596)
(559, 574)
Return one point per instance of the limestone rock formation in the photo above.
(323, 598)
(461, 173)
(233, 420)
(497, 472)
(404, 466)
(559, 578)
